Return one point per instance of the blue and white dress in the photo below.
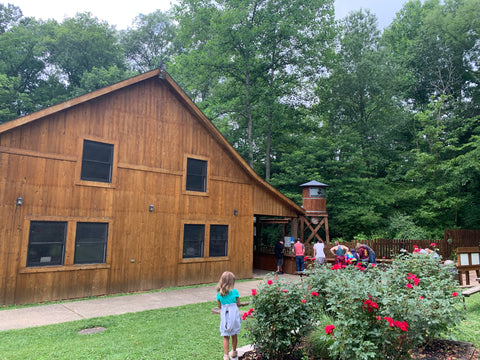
(230, 319)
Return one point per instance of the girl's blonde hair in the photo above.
(226, 283)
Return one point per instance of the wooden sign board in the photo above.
(468, 258)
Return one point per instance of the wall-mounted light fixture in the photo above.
(235, 212)
(19, 201)
(151, 207)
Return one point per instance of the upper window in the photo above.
(46, 243)
(317, 192)
(91, 243)
(196, 175)
(218, 240)
(193, 240)
(97, 161)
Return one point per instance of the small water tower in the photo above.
(314, 196)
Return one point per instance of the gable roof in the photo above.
(187, 102)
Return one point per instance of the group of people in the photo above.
(298, 250)
(362, 253)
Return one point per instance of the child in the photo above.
(228, 301)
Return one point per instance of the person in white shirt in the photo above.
(318, 252)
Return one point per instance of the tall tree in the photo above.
(364, 122)
(150, 42)
(81, 43)
(26, 82)
(437, 45)
(258, 52)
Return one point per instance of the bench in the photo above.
(471, 291)
(468, 292)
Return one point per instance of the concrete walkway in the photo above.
(85, 309)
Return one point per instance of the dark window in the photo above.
(97, 161)
(193, 240)
(46, 243)
(196, 175)
(218, 240)
(91, 243)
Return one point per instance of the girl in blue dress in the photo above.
(228, 301)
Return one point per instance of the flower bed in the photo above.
(367, 313)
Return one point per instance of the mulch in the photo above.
(437, 350)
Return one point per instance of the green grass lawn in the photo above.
(185, 332)
(470, 328)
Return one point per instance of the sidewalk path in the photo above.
(85, 309)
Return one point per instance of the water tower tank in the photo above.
(314, 196)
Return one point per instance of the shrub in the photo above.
(385, 313)
(317, 343)
(280, 318)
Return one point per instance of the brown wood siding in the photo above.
(152, 132)
(266, 204)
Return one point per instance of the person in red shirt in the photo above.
(299, 252)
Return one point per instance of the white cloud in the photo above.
(119, 13)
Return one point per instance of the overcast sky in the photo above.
(121, 13)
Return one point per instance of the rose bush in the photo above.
(280, 319)
(383, 313)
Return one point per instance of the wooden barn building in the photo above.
(127, 188)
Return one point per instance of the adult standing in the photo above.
(372, 259)
(339, 252)
(279, 246)
(299, 252)
(318, 252)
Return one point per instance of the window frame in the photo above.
(78, 170)
(317, 192)
(206, 245)
(210, 240)
(104, 243)
(185, 175)
(202, 245)
(69, 248)
(33, 244)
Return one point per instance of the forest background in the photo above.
(389, 119)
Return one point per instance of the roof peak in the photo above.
(313, 183)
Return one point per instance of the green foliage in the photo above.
(384, 313)
(100, 77)
(280, 319)
(389, 120)
(253, 65)
(401, 226)
(81, 43)
(150, 42)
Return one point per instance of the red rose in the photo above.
(454, 294)
(254, 292)
(329, 329)
(269, 282)
(403, 325)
